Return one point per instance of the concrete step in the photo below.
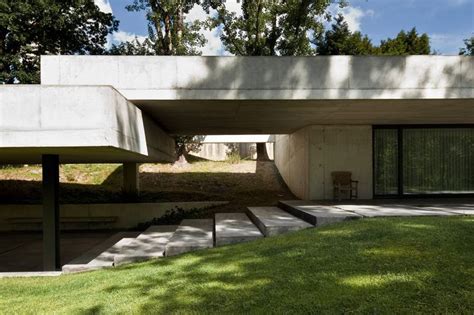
(316, 214)
(101, 255)
(235, 228)
(191, 235)
(273, 220)
(150, 244)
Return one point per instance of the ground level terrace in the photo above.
(403, 126)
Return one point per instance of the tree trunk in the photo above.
(262, 154)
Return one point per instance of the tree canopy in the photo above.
(29, 29)
(339, 40)
(168, 32)
(271, 27)
(406, 43)
(468, 50)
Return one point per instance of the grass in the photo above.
(246, 183)
(383, 266)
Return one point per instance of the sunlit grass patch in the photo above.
(363, 266)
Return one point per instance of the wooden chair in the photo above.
(342, 183)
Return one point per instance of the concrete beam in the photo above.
(275, 78)
(81, 124)
(131, 180)
(51, 238)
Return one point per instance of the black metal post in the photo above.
(51, 249)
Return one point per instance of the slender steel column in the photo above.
(131, 183)
(51, 249)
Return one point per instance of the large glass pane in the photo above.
(438, 160)
(386, 161)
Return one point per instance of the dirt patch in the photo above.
(248, 183)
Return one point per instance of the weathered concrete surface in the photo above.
(150, 244)
(369, 77)
(279, 95)
(307, 157)
(394, 210)
(273, 220)
(101, 255)
(235, 228)
(81, 124)
(191, 235)
(28, 274)
(292, 160)
(128, 214)
(316, 214)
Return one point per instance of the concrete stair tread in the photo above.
(235, 228)
(101, 255)
(192, 234)
(273, 220)
(148, 245)
(316, 214)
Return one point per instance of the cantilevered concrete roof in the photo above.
(123, 108)
(79, 123)
(247, 95)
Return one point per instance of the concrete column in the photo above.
(131, 186)
(51, 246)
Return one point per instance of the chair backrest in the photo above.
(342, 178)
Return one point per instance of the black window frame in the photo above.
(399, 128)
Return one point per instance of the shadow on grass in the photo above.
(261, 187)
(374, 265)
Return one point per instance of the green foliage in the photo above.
(176, 215)
(134, 48)
(186, 144)
(168, 32)
(371, 266)
(406, 43)
(29, 29)
(339, 40)
(469, 49)
(271, 27)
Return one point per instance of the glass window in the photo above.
(386, 161)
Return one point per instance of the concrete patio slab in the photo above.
(150, 244)
(191, 235)
(392, 210)
(28, 274)
(316, 214)
(273, 220)
(235, 228)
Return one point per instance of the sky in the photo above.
(447, 22)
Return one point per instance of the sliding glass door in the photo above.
(412, 160)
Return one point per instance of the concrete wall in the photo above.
(321, 77)
(339, 148)
(80, 123)
(292, 160)
(307, 157)
(219, 151)
(128, 214)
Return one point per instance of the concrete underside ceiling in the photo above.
(282, 117)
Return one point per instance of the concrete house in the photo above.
(403, 126)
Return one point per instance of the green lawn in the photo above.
(390, 265)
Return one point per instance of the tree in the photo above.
(271, 28)
(469, 49)
(134, 47)
(29, 29)
(168, 32)
(339, 40)
(406, 43)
